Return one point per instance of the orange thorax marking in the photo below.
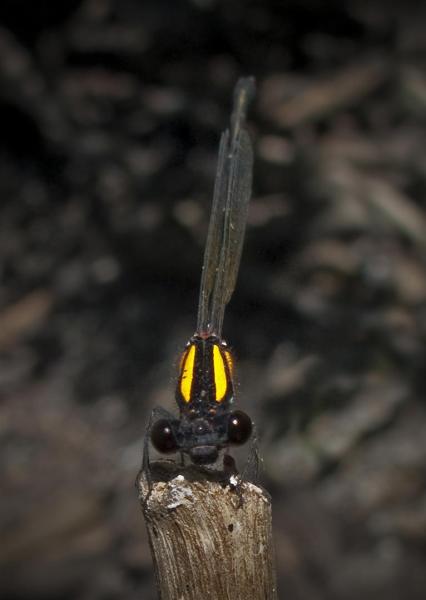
(220, 375)
(187, 368)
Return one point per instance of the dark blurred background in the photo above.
(110, 116)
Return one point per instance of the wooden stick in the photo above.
(208, 539)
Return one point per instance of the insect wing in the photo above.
(214, 238)
(229, 216)
(234, 226)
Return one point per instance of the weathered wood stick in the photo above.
(208, 540)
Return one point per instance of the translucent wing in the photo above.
(229, 215)
(214, 238)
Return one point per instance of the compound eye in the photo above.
(239, 427)
(162, 437)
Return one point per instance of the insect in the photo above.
(205, 388)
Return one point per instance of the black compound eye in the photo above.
(162, 437)
(239, 427)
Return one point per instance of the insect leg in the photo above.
(251, 467)
(156, 413)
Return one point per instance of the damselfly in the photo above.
(205, 390)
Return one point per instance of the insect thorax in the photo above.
(205, 375)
